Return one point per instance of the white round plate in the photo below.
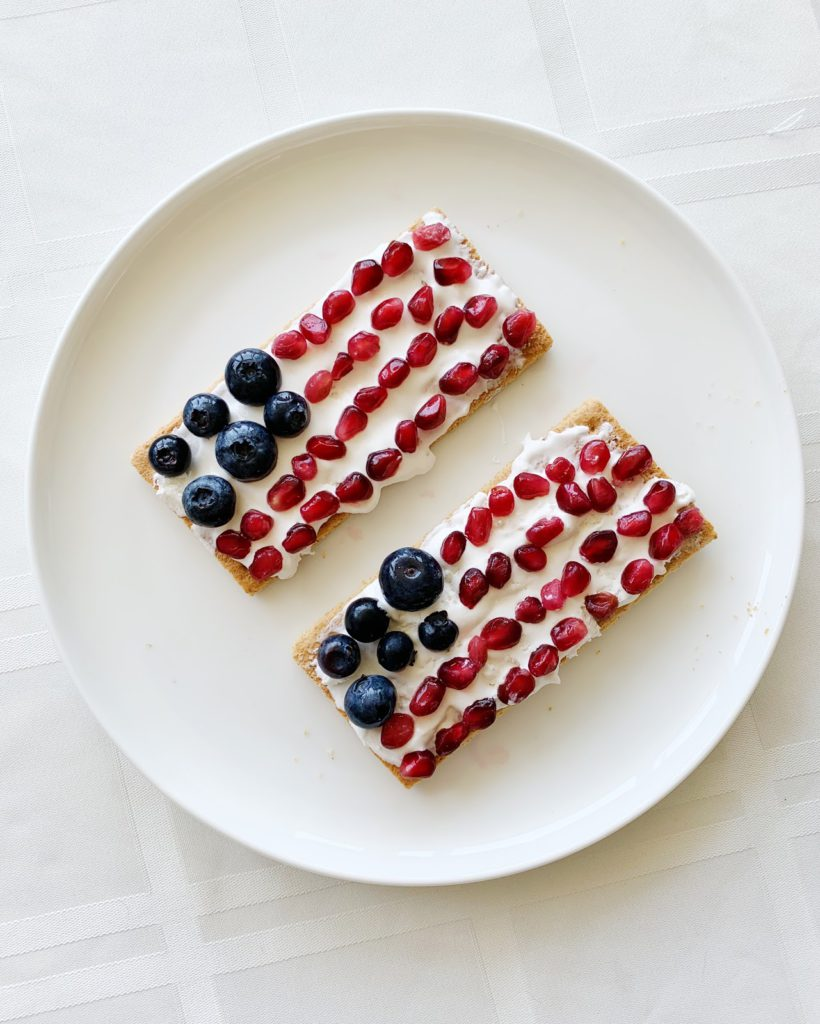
(194, 680)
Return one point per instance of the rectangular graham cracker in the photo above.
(591, 414)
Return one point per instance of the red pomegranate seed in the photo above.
(420, 306)
(601, 493)
(397, 731)
(689, 521)
(337, 306)
(448, 324)
(367, 275)
(477, 650)
(285, 493)
(255, 525)
(560, 470)
(394, 373)
(383, 464)
(397, 258)
(458, 673)
(387, 314)
(355, 487)
(570, 498)
(320, 506)
(518, 327)
(290, 345)
(369, 399)
(458, 379)
(501, 501)
(342, 365)
(430, 236)
(479, 310)
(351, 422)
(472, 588)
(318, 386)
(363, 346)
(298, 537)
(480, 714)
(448, 740)
(493, 362)
(599, 546)
(406, 436)
(233, 544)
(432, 414)
(314, 328)
(633, 461)
(659, 496)
(422, 350)
(600, 606)
(304, 466)
(567, 633)
(501, 633)
(637, 576)
(664, 542)
(530, 609)
(634, 524)
(452, 270)
(479, 525)
(499, 569)
(594, 457)
(530, 485)
(266, 562)
(543, 660)
(544, 530)
(574, 579)
(326, 446)
(418, 764)
(452, 547)
(427, 697)
(530, 557)
(517, 686)
(552, 596)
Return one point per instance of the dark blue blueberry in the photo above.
(438, 631)
(246, 450)
(339, 655)
(252, 376)
(286, 414)
(395, 651)
(365, 621)
(370, 701)
(170, 455)
(410, 579)
(205, 415)
(209, 501)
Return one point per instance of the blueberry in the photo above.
(205, 415)
(246, 450)
(370, 701)
(438, 632)
(410, 579)
(339, 655)
(365, 621)
(209, 501)
(252, 376)
(395, 651)
(170, 455)
(286, 414)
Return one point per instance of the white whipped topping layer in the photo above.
(508, 533)
(401, 403)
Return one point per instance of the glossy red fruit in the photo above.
(480, 714)
(501, 633)
(394, 373)
(664, 542)
(659, 496)
(342, 365)
(337, 306)
(570, 498)
(637, 576)
(599, 546)
(430, 236)
(427, 697)
(552, 596)
(321, 505)
(448, 324)
(493, 361)
(420, 305)
(594, 457)
(452, 270)
(568, 632)
(397, 258)
(422, 350)
(363, 346)
(255, 525)
(369, 399)
(355, 487)
(600, 606)
(574, 579)
(450, 739)
(479, 525)
(530, 609)
(689, 521)
(518, 328)
(298, 537)
(387, 314)
(501, 501)
(326, 446)
(397, 731)
(633, 461)
(351, 422)
(458, 379)
(367, 275)
(432, 414)
(531, 485)
(479, 310)
(233, 544)
(418, 764)
(602, 495)
(543, 660)
(314, 328)
(477, 650)
(544, 530)
(634, 524)
(318, 386)
(266, 562)
(290, 345)
(452, 547)
(560, 470)
(286, 492)
(458, 673)
(383, 464)
(406, 436)
(472, 588)
(304, 466)
(499, 569)
(530, 557)
(517, 686)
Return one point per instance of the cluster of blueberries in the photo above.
(410, 580)
(245, 449)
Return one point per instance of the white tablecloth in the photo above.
(117, 907)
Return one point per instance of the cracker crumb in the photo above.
(306, 732)
(331, 753)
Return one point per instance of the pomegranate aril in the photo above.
(664, 542)
(477, 650)
(493, 361)
(304, 466)
(418, 764)
(501, 501)
(458, 379)
(600, 606)
(430, 236)
(570, 498)
(518, 327)
(286, 492)
(560, 470)
(420, 305)
(369, 399)
(326, 446)
(544, 530)
(530, 557)
(568, 632)
(634, 524)
(432, 414)
(351, 422)
(298, 537)
(318, 386)
(499, 569)
(387, 314)
(472, 587)
(543, 660)
(689, 521)
(574, 579)
(479, 310)
(321, 505)
(480, 714)
(452, 547)
(342, 365)
(422, 350)
(290, 345)
(501, 633)
(531, 485)
(255, 524)
(233, 544)
(363, 346)
(448, 324)
(427, 697)
(517, 686)
(355, 487)
(452, 270)
(552, 596)
(659, 496)
(479, 525)
(530, 609)
(266, 562)
(314, 328)
(633, 461)
(337, 306)
(406, 436)
(458, 673)
(599, 546)
(397, 258)
(448, 740)
(397, 731)
(637, 576)
(594, 457)
(367, 275)
(383, 464)
(393, 373)
(602, 495)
